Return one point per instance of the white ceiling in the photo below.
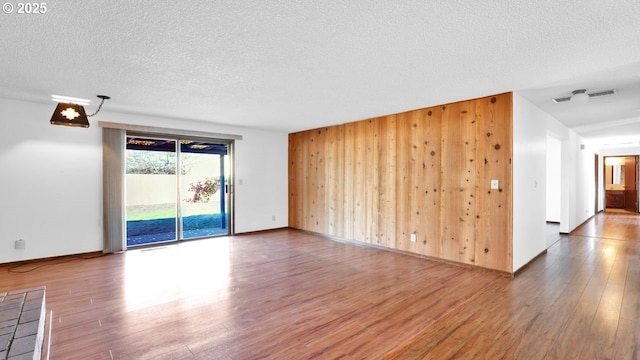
(294, 65)
(612, 119)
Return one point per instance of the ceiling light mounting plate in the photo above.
(103, 97)
(580, 96)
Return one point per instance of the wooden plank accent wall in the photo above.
(425, 172)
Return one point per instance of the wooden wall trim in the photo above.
(424, 172)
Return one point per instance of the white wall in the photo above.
(553, 178)
(51, 179)
(578, 182)
(530, 128)
(529, 181)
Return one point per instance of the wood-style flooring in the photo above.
(579, 301)
(287, 294)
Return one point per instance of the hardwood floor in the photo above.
(580, 301)
(291, 295)
(277, 295)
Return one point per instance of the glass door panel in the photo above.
(203, 189)
(151, 190)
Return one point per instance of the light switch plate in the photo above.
(495, 184)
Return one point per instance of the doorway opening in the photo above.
(553, 189)
(176, 189)
(621, 183)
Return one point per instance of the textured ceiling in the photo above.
(293, 65)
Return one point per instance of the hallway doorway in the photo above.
(553, 189)
(621, 183)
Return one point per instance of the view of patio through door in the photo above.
(176, 189)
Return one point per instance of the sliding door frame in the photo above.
(114, 144)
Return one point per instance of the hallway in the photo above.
(611, 225)
(579, 301)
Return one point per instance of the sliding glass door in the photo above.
(203, 204)
(176, 189)
(151, 190)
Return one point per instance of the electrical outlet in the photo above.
(273, 218)
(495, 184)
(413, 237)
(20, 244)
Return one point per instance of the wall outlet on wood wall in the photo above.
(413, 237)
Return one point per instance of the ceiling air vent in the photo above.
(602, 93)
(578, 92)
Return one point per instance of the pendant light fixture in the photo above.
(71, 113)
